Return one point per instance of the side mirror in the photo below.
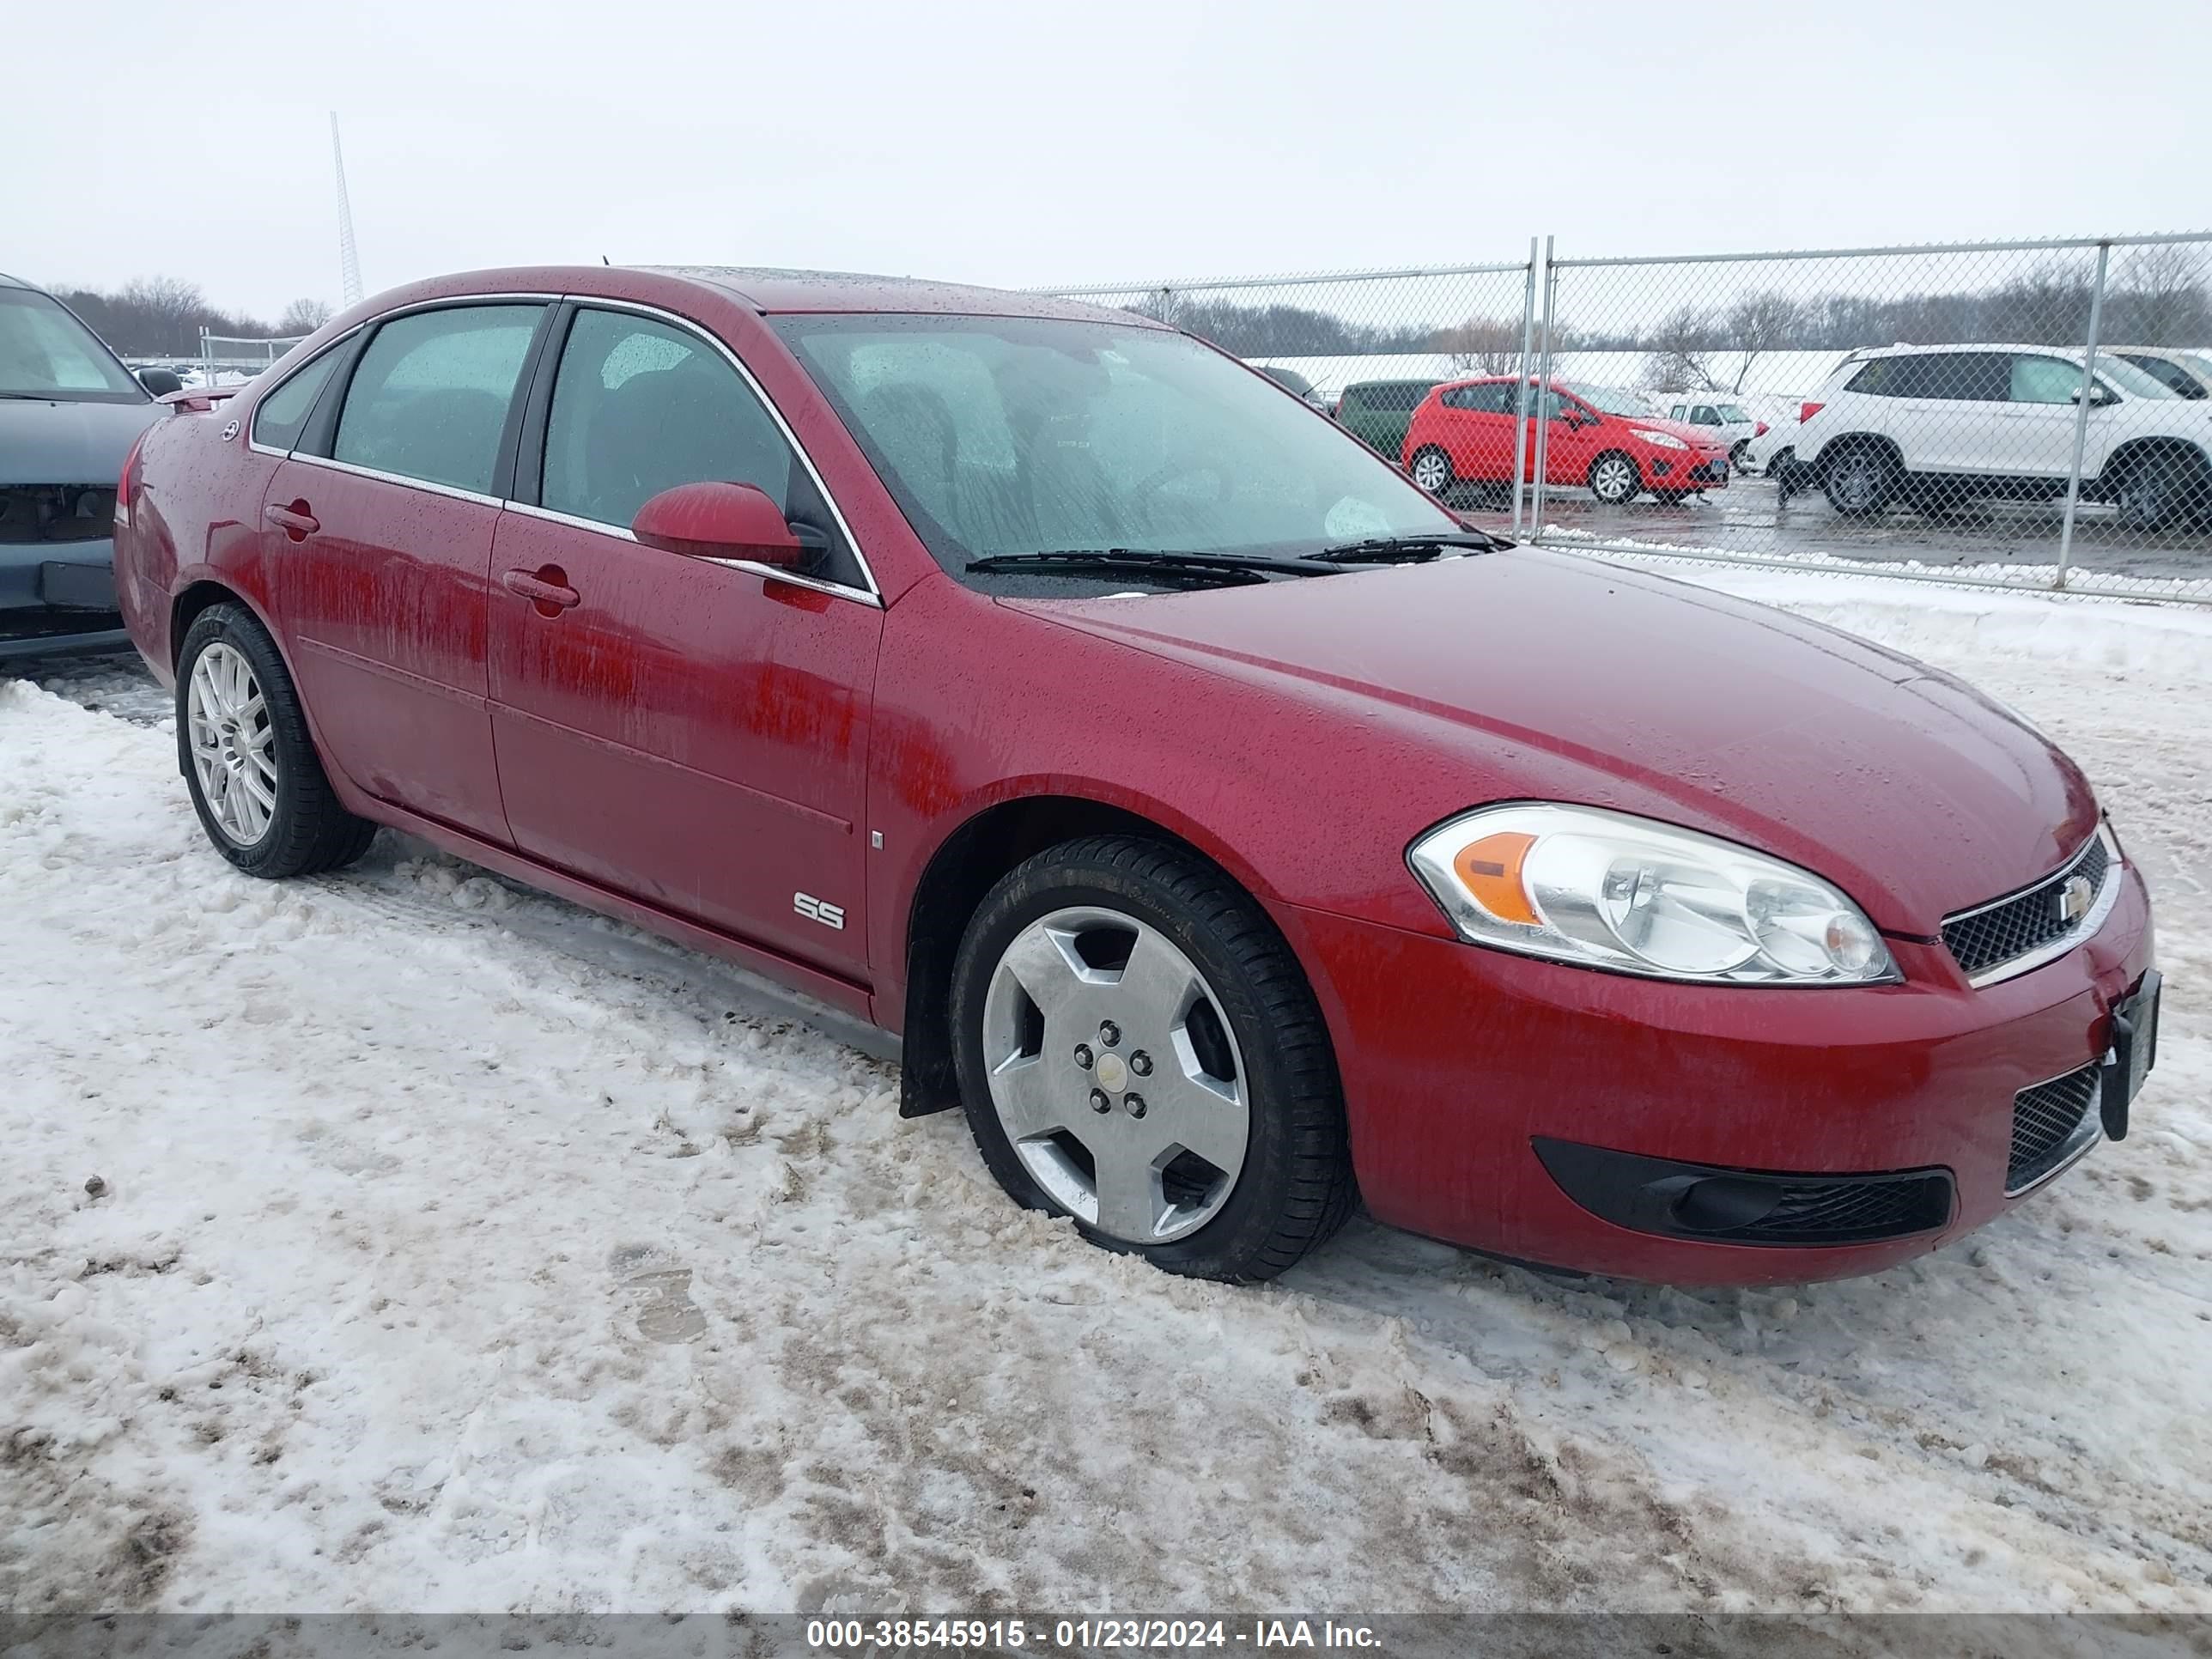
(719, 522)
(160, 381)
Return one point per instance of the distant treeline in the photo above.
(162, 317)
(2155, 296)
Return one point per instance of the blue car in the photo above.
(69, 413)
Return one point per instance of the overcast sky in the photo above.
(1027, 144)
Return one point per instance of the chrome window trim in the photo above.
(2086, 1136)
(873, 594)
(752, 567)
(453, 491)
(2051, 949)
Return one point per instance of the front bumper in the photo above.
(58, 598)
(1457, 1061)
(1698, 470)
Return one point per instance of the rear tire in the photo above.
(1861, 481)
(2165, 490)
(1245, 1070)
(243, 745)
(1432, 470)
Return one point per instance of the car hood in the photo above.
(1546, 675)
(1699, 437)
(43, 442)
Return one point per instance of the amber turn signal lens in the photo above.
(1491, 868)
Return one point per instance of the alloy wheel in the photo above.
(1613, 480)
(1432, 471)
(1114, 1074)
(233, 743)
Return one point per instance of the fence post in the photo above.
(2082, 415)
(1543, 381)
(1521, 382)
(207, 358)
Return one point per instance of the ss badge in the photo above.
(815, 909)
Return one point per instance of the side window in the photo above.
(279, 418)
(1677, 412)
(1491, 398)
(1354, 401)
(2045, 380)
(430, 398)
(1704, 417)
(2172, 375)
(640, 407)
(1404, 399)
(1873, 380)
(1964, 377)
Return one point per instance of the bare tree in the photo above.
(1759, 323)
(2049, 306)
(2160, 298)
(303, 317)
(1681, 357)
(1481, 345)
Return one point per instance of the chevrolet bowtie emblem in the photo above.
(2074, 899)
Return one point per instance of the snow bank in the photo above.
(443, 1257)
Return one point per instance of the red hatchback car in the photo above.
(1215, 819)
(1606, 441)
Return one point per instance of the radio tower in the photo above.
(349, 262)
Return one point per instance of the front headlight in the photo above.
(1607, 890)
(1663, 440)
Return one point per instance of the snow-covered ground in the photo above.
(452, 1250)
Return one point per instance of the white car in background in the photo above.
(1715, 417)
(2188, 373)
(1931, 426)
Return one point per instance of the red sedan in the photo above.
(1218, 821)
(1608, 441)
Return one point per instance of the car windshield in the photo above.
(1734, 415)
(45, 352)
(1610, 400)
(2132, 381)
(1005, 436)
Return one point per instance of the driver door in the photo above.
(687, 731)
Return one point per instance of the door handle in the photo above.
(297, 521)
(546, 588)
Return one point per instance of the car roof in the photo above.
(1865, 352)
(769, 288)
(6, 281)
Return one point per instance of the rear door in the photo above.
(1479, 421)
(690, 732)
(380, 525)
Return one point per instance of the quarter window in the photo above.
(430, 397)
(279, 417)
(1491, 398)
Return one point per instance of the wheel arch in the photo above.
(965, 865)
(1849, 443)
(2135, 450)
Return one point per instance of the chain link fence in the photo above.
(1922, 412)
(227, 357)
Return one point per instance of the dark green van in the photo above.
(1378, 411)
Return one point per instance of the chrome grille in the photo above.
(1988, 938)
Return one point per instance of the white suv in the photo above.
(1933, 426)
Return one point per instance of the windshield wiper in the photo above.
(1409, 550)
(1218, 566)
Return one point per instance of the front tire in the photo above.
(243, 745)
(1126, 971)
(1614, 479)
